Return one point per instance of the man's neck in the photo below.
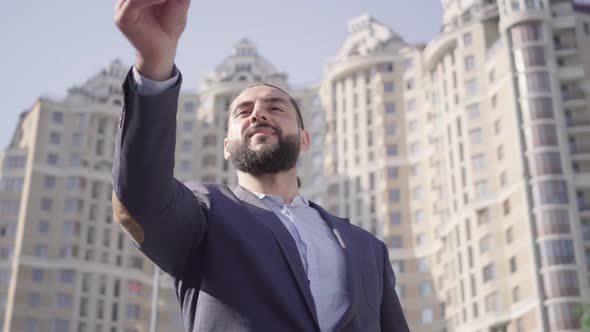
(283, 184)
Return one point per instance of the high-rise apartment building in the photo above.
(469, 156)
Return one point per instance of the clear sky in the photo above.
(49, 46)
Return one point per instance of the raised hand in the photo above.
(154, 28)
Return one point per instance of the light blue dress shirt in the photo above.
(321, 254)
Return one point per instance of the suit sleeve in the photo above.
(166, 220)
(392, 314)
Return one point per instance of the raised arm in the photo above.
(166, 220)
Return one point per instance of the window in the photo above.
(546, 163)
(390, 129)
(46, 204)
(392, 172)
(478, 162)
(556, 222)
(476, 136)
(526, 32)
(481, 188)
(35, 300)
(497, 126)
(425, 289)
(414, 148)
(41, 250)
(71, 228)
(538, 82)
(509, 235)
(419, 216)
(57, 117)
(386, 67)
(55, 138)
(395, 218)
(411, 105)
(43, 227)
(469, 62)
(189, 107)
(427, 316)
(66, 276)
(37, 275)
(63, 301)
(561, 283)
(390, 108)
(31, 325)
(423, 265)
(388, 87)
(132, 311)
(397, 242)
(530, 56)
(489, 272)
(394, 195)
(500, 152)
(52, 159)
(73, 205)
(563, 316)
(187, 126)
(473, 111)
(467, 40)
(49, 182)
(486, 244)
(77, 139)
(421, 239)
(187, 146)
(506, 207)
(555, 252)
(550, 192)
(471, 87)
(512, 264)
(408, 64)
(503, 178)
(75, 160)
(492, 302)
(61, 325)
(391, 150)
(483, 216)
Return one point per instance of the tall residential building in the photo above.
(468, 157)
(497, 143)
(369, 156)
(65, 265)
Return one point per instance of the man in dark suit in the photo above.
(260, 257)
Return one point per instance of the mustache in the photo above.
(250, 131)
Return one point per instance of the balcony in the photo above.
(567, 95)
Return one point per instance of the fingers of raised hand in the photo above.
(128, 11)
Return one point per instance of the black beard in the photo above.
(269, 159)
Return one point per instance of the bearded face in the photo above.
(268, 158)
(265, 135)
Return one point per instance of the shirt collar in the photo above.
(278, 200)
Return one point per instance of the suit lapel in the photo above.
(354, 260)
(264, 214)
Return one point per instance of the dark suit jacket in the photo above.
(235, 266)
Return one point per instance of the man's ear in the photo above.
(304, 140)
(226, 153)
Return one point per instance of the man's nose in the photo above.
(258, 113)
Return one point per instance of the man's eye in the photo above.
(276, 109)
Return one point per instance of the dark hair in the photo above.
(291, 100)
